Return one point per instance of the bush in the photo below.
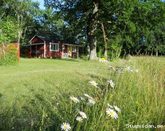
(8, 55)
(115, 47)
(84, 57)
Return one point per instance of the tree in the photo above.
(22, 12)
(81, 17)
(148, 21)
(8, 33)
(8, 30)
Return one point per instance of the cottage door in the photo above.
(70, 51)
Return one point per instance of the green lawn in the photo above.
(31, 92)
(38, 75)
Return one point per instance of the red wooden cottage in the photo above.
(42, 47)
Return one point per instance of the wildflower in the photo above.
(117, 108)
(111, 113)
(93, 83)
(74, 99)
(82, 98)
(110, 106)
(112, 84)
(83, 115)
(129, 69)
(88, 96)
(79, 118)
(103, 60)
(91, 102)
(65, 126)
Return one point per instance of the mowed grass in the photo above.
(42, 74)
(34, 95)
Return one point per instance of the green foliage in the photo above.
(139, 23)
(8, 30)
(100, 52)
(132, 20)
(8, 33)
(9, 59)
(115, 47)
(148, 18)
(16, 17)
(24, 14)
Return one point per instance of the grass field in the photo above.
(35, 95)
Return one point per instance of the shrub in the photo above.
(8, 54)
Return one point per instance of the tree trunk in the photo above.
(93, 52)
(91, 29)
(157, 52)
(105, 41)
(20, 25)
(19, 36)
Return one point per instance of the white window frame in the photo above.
(54, 44)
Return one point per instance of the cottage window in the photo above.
(54, 47)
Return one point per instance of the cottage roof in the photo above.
(43, 38)
(48, 39)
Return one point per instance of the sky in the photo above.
(41, 2)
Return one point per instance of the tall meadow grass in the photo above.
(135, 86)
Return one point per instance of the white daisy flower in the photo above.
(112, 84)
(74, 99)
(65, 126)
(79, 118)
(91, 101)
(117, 108)
(111, 113)
(93, 83)
(83, 115)
(110, 106)
(88, 96)
(82, 98)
